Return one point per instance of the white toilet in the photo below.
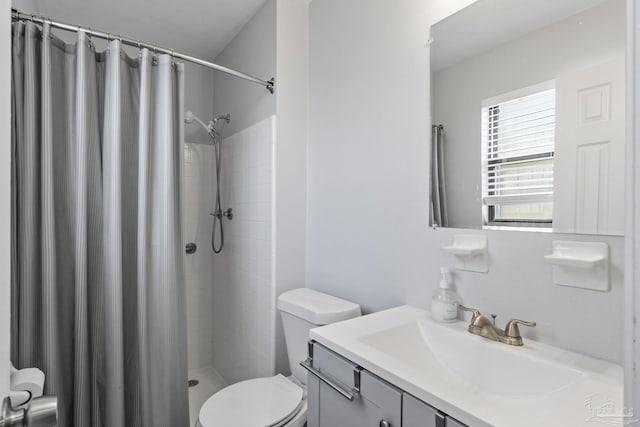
(279, 401)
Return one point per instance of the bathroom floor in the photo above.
(210, 381)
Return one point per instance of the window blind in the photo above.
(519, 149)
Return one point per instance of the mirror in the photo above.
(528, 100)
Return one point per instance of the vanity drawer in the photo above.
(416, 413)
(376, 403)
(334, 366)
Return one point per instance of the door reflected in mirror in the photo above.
(528, 110)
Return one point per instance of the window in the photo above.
(518, 135)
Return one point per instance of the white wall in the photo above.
(587, 39)
(25, 6)
(242, 282)
(252, 51)
(632, 213)
(291, 156)
(5, 194)
(244, 287)
(198, 97)
(197, 204)
(368, 234)
(275, 43)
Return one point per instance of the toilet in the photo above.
(279, 401)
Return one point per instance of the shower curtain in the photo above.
(438, 194)
(98, 296)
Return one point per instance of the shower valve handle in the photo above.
(227, 213)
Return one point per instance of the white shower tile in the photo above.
(242, 309)
(262, 211)
(263, 192)
(264, 174)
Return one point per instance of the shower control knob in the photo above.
(191, 248)
(228, 214)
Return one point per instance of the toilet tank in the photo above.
(303, 309)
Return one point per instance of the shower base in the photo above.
(209, 382)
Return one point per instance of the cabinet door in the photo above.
(454, 423)
(416, 413)
(378, 404)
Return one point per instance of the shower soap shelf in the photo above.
(580, 264)
(470, 251)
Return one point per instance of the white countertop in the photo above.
(594, 396)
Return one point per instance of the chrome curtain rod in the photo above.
(19, 16)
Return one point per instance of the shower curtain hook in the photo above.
(154, 59)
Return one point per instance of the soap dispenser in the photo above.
(444, 304)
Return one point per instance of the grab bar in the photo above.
(347, 394)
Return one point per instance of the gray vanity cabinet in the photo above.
(416, 413)
(453, 423)
(377, 404)
(342, 394)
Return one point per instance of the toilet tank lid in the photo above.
(316, 307)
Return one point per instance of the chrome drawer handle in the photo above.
(347, 394)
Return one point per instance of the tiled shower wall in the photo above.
(243, 296)
(198, 202)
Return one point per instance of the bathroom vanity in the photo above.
(371, 401)
(400, 368)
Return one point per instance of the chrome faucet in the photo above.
(481, 325)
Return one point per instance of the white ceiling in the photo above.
(198, 27)
(489, 23)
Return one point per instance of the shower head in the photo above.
(210, 127)
(189, 118)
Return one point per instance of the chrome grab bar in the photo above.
(347, 394)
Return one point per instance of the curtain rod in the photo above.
(19, 16)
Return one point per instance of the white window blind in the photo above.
(518, 141)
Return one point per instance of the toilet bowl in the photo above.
(268, 402)
(279, 401)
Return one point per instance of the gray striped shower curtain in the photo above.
(98, 291)
(438, 207)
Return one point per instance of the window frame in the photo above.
(490, 218)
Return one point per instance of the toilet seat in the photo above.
(261, 402)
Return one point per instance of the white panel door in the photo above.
(589, 156)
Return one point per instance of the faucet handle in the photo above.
(475, 311)
(512, 330)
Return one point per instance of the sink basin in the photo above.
(504, 371)
(481, 383)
